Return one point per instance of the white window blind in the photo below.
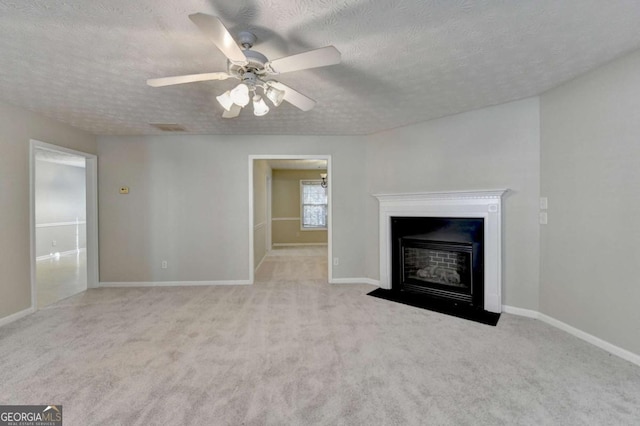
(313, 198)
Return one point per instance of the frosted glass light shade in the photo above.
(240, 95)
(225, 100)
(275, 95)
(260, 108)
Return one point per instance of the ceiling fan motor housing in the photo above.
(247, 39)
(249, 78)
(256, 64)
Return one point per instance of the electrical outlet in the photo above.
(297, 234)
(54, 243)
(164, 264)
(336, 261)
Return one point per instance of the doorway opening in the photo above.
(64, 235)
(289, 208)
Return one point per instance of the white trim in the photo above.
(92, 243)
(589, 338)
(521, 312)
(298, 244)
(15, 317)
(327, 158)
(275, 219)
(260, 225)
(172, 283)
(268, 236)
(369, 281)
(485, 204)
(443, 195)
(53, 224)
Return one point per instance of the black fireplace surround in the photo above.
(440, 258)
(437, 263)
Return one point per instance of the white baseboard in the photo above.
(14, 317)
(297, 244)
(172, 283)
(596, 341)
(602, 344)
(354, 281)
(520, 311)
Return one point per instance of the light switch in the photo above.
(124, 189)
(543, 218)
(544, 203)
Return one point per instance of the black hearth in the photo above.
(438, 263)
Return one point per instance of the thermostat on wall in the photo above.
(124, 189)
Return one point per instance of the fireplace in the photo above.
(472, 236)
(439, 257)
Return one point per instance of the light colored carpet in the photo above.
(300, 351)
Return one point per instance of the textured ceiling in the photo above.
(85, 62)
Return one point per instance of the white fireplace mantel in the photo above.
(464, 204)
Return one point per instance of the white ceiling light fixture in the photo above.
(323, 180)
(225, 100)
(260, 108)
(276, 96)
(240, 95)
(253, 69)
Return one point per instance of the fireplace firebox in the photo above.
(441, 258)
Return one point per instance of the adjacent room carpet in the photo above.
(292, 349)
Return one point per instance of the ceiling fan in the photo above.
(253, 69)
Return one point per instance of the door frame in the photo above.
(268, 212)
(326, 158)
(91, 182)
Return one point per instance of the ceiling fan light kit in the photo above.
(276, 96)
(260, 107)
(240, 95)
(225, 100)
(253, 69)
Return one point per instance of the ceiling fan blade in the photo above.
(312, 59)
(191, 78)
(213, 27)
(295, 98)
(234, 112)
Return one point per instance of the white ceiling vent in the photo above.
(169, 127)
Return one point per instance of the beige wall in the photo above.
(286, 205)
(591, 175)
(490, 148)
(189, 202)
(17, 127)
